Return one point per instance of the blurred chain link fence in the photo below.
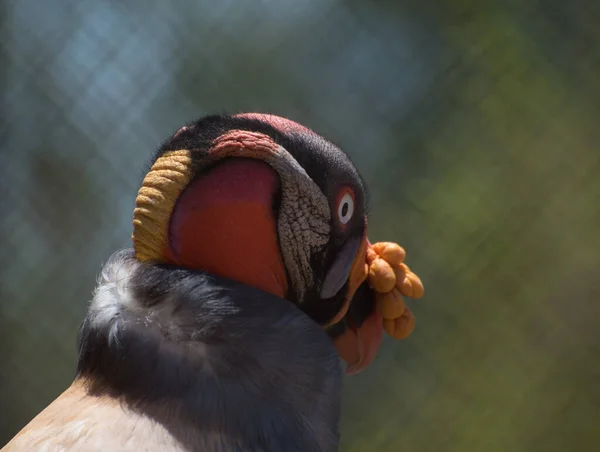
(475, 123)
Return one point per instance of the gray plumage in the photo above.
(204, 355)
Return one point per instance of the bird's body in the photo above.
(223, 328)
(175, 359)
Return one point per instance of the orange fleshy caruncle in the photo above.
(392, 279)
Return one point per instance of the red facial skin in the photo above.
(225, 217)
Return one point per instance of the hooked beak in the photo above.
(359, 343)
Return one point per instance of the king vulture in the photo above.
(223, 327)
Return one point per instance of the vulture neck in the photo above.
(207, 356)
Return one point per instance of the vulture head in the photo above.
(264, 201)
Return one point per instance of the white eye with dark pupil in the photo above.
(346, 208)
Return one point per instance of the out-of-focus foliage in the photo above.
(474, 122)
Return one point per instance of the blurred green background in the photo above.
(475, 124)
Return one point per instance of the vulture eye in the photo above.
(345, 208)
